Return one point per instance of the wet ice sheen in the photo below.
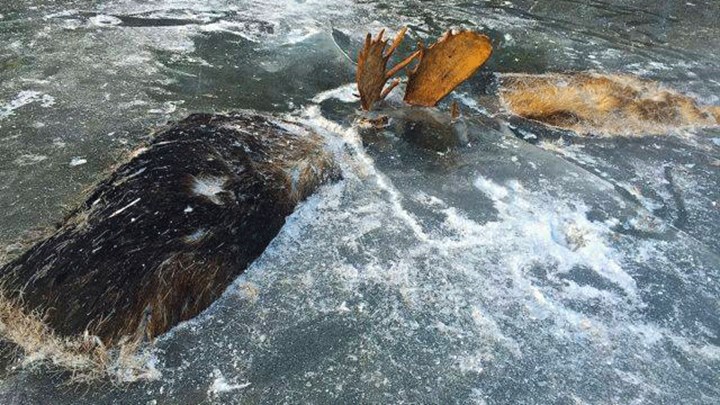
(519, 267)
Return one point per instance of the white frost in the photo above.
(555, 232)
(77, 161)
(210, 187)
(105, 20)
(345, 93)
(29, 159)
(220, 384)
(24, 98)
(492, 190)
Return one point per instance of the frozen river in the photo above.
(522, 266)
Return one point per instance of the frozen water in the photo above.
(520, 265)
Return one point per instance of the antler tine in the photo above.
(366, 47)
(402, 64)
(389, 88)
(380, 35)
(396, 42)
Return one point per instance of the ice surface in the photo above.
(511, 264)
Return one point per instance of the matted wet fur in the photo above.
(166, 233)
(84, 356)
(596, 104)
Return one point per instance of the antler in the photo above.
(444, 65)
(372, 73)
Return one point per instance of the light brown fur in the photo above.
(715, 111)
(596, 104)
(84, 356)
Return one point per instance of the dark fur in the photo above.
(139, 271)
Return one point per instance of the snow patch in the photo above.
(169, 107)
(77, 161)
(196, 236)
(29, 159)
(220, 384)
(491, 189)
(105, 20)
(552, 232)
(210, 187)
(345, 93)
(24, 98)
